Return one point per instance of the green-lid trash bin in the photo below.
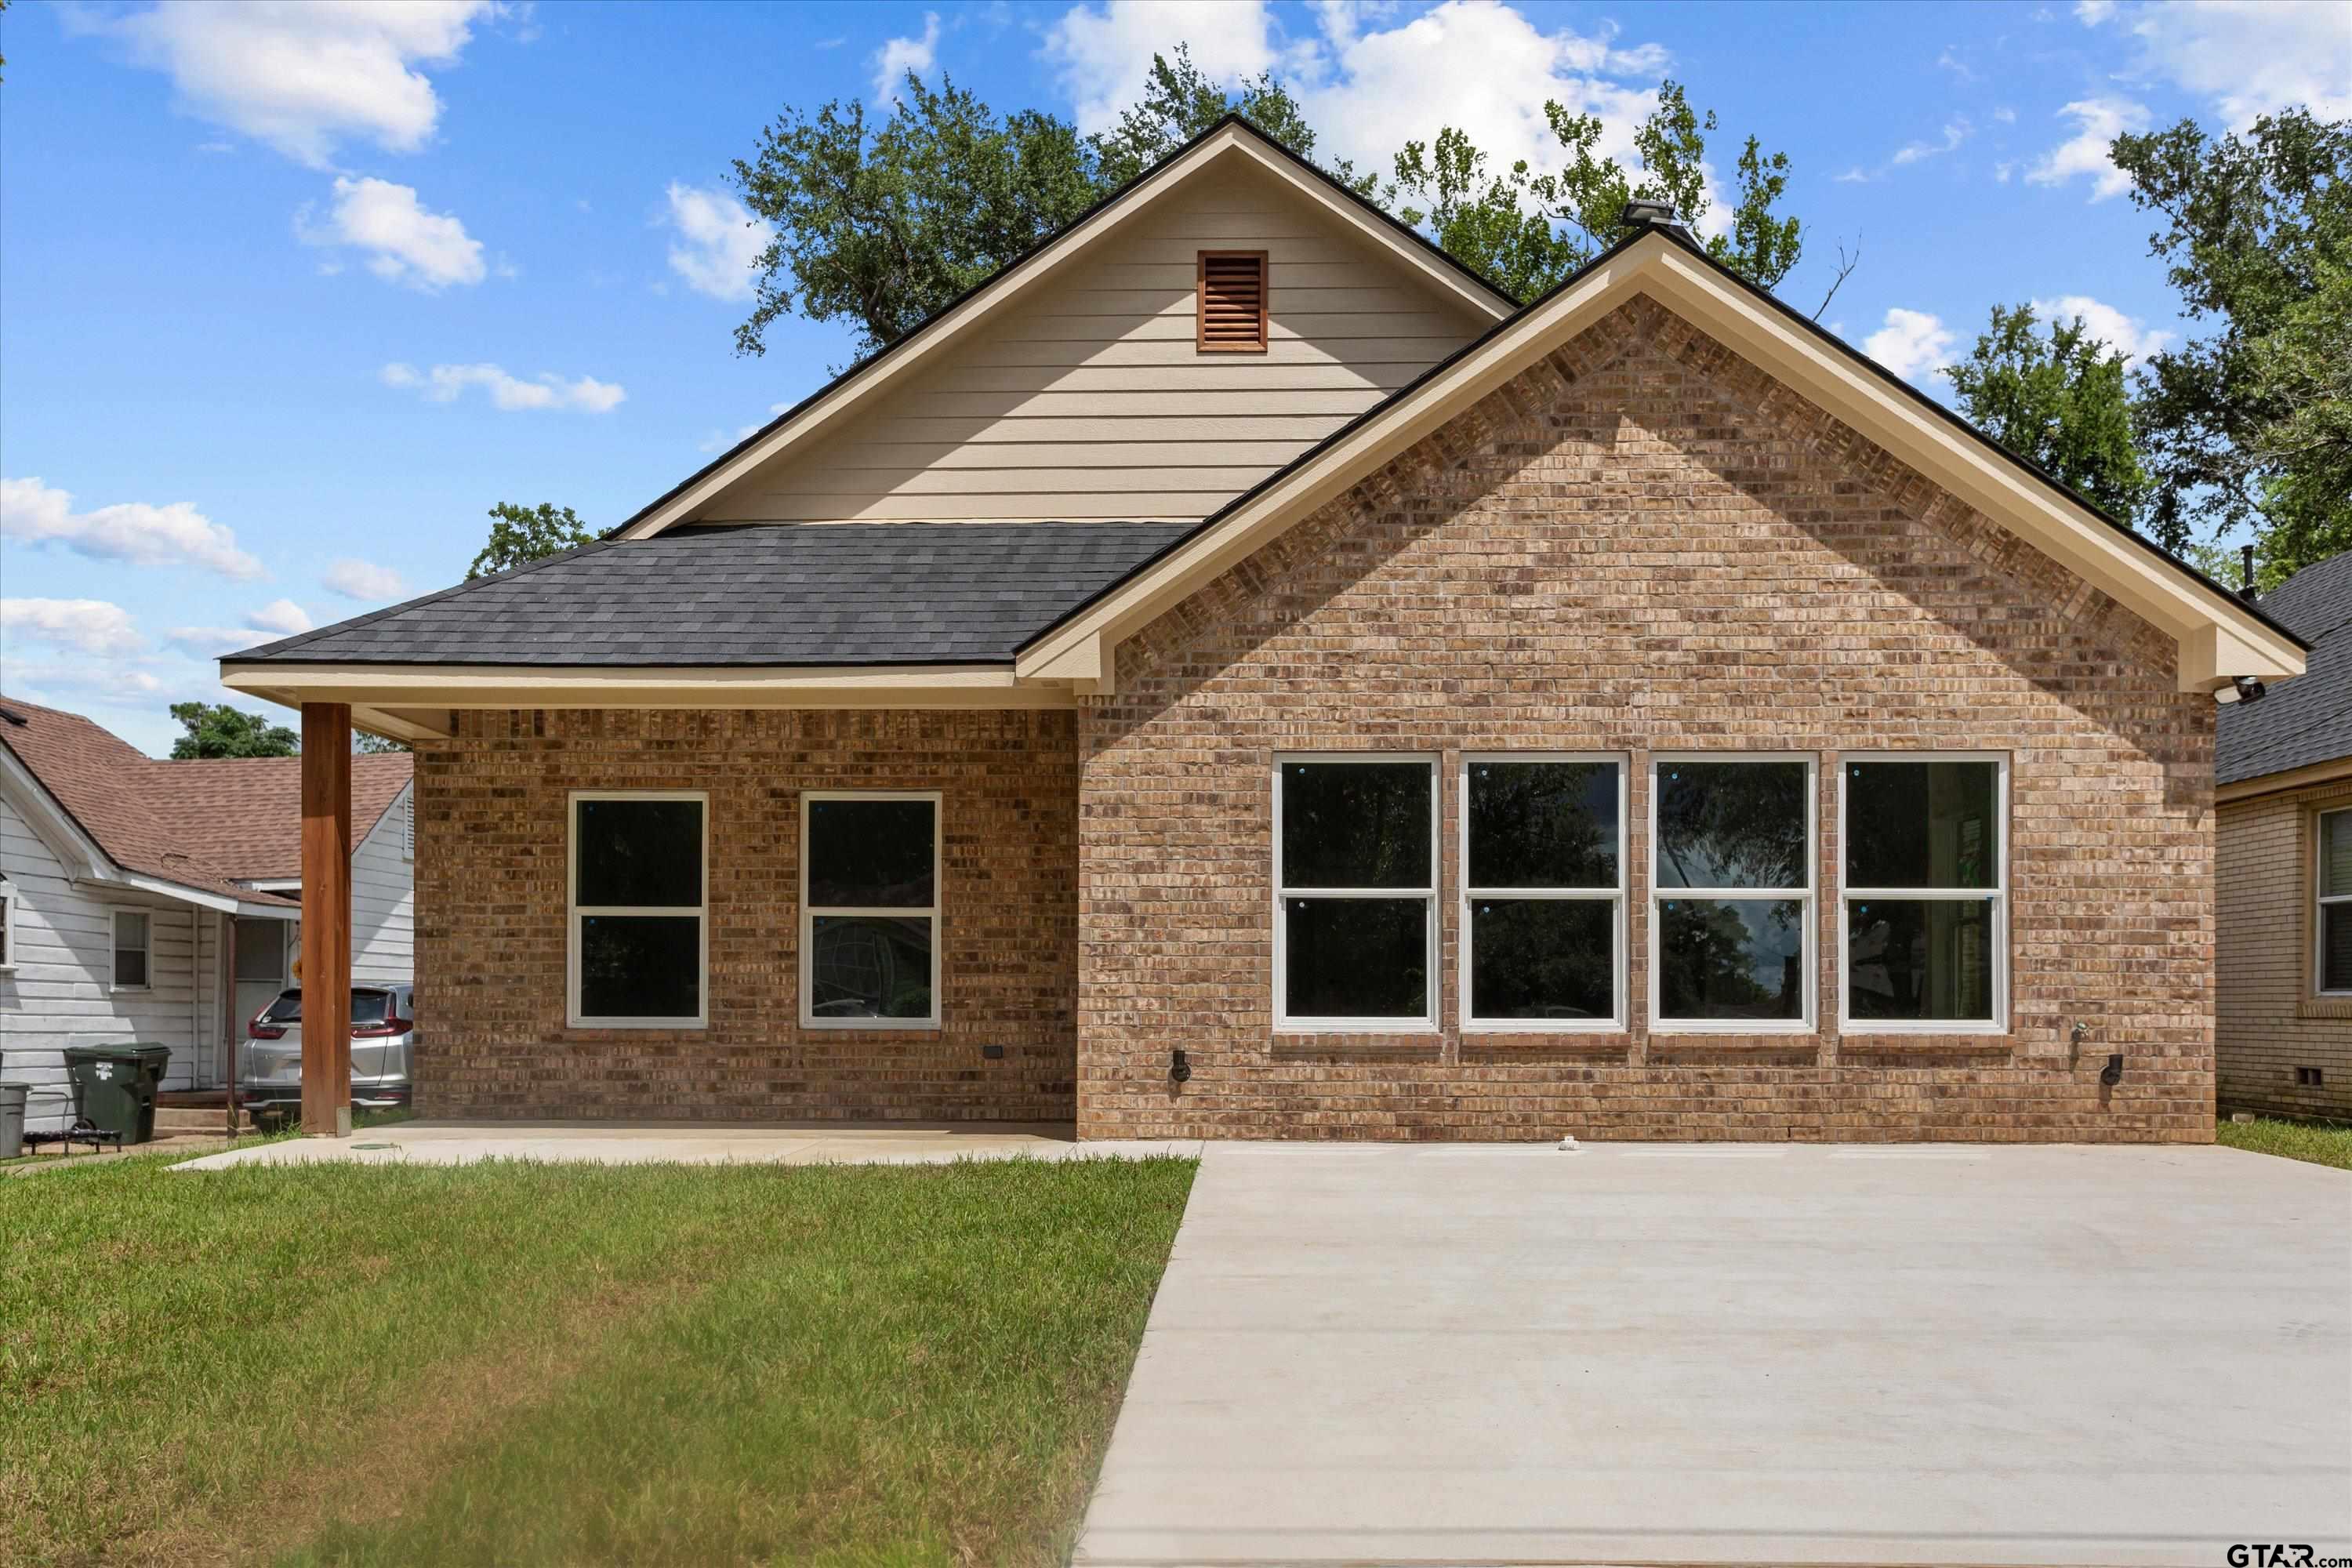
(114, 1086)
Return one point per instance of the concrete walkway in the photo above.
(1677, 1353)
(686, 1143)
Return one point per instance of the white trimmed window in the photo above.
(1543, 901)
(133, 940)
(7, 925)
(1925, 886)
(1731, 901)
(639, 920)
(1355, 892)
(870, 876)
(2331, 961)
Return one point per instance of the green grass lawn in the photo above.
(520, 1365)
(2321, 1143)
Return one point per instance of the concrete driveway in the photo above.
(1678, 1354)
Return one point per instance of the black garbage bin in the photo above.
(114, 1086)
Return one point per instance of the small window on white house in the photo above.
(132, 939)
(1355, 871)
(2334, 969)
(1543, 892)
(1733, 897)
(1925, 922)
(639, 945)
(871, 910)
(7, 926)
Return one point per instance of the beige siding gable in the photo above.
(1090, 399)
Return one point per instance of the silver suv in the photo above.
(384, 1040)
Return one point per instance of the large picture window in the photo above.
(870, 910)
(640, 944)
(2333, 970)
(1543, 892)
(1355, 872)
(1924, 885)
(1732, 893)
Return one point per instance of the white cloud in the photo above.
(446, 382)
(135, 533)
(281, 616)
(1857, 175)
(303, 75)
(1912, 343)
(719, 440)
(2247, 57)
(1955, 130)
(356, 579)
(2097, 121)
(896, 56)
(211, 642)
(1102, 53)
(406, 244)
(85, 626)
(2130, 335)
(718, 242)
(2005, 115)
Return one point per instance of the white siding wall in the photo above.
(1092, 401)
(60, 993)
(384, 900)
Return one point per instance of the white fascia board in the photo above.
(680, 685)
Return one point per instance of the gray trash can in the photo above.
(12, 1118)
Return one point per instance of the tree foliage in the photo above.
(520, 534)
(369, 745)
(2250, 424)
(1528, 231)
(883, 223)
(218, 730)
(2059, 398)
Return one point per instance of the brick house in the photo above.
(1238, 673)
(2284, 869)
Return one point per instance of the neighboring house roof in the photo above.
(1230, 137)
(204, 825)
(245, 814)
(2308, 721)
(757, 594)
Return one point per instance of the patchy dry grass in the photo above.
(2320, 1142)
(541, 1364)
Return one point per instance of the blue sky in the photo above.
(293, 292)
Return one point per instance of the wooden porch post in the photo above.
(327, 918)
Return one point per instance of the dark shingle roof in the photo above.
(2309, 718)
(758, 593)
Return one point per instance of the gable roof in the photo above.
(2219, 635)
(2308, 721)
(756, 594)
(203, 825)
(1232, 136)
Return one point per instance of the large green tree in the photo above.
(520, 534)
(2249, 424)
(2057, 396)
(1528, 230)
(218, 730)
(883, 221)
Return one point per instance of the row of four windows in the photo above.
(1544, 918)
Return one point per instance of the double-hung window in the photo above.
(1355, 871)
(639, 940)
(1543, 892)
(871, 910)
(133, 936)
(1732, 893)
(1924, 890)
(2332, 970)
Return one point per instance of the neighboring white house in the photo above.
(158, 900)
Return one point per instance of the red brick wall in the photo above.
(1642, 545)
(490, 886)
